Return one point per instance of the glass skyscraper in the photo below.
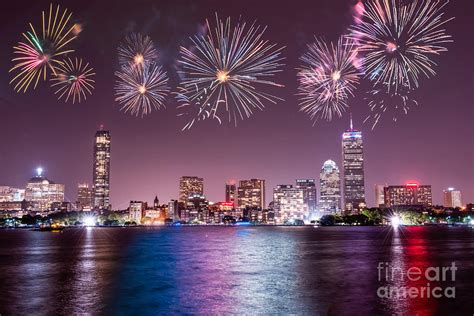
(330, 189)
(353, 170)
(101, 175)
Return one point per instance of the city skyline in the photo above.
(150, 154)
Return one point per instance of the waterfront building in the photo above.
(251, 194)
(230, 193)
(189, 186)
(42, 192)
(173, 210)
(136, 211)
(409, 194)
(84, 197)
(289, 203)
(10, 194)
(309, 194)
(330, 189)
(353, 170)
(101, 170)
(379, 195)
(452, 198)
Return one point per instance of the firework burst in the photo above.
(38, 53)
(389, 105)
(137, 49)
(73, 80)
(327, 78)
(225, 71)
(398, 40)
(141, 89)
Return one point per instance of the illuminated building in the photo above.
(330, 189)
(452, 198)
(42, 193)
(289, 203)
(230, 193)
(189, 186)
(101, 177)
(173, 210)
(409, 194)
(309, 194)
(136, 211)
(353, 170)
(84, 197)
(379, 195)
(251, 194)
(9, 194)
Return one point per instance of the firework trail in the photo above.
(141, 89)
(73, 79)
(398, 40)
(225, 70)
(38, 53)
(390, 105)
(327, 78)
(137, 49)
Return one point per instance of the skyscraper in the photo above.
(190, 186)
(230, 193)
(353, 170)
(289, 204)
(84, 197)
(251, 193)
(452, 198)
(101, 177)
(309, 194)
(330, 188)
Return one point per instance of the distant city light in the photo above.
(395, 221)
(89, 221)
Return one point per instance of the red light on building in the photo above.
(412, 184)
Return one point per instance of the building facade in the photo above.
(251, 194)
(289, 204)
(452, 198)
(101, 170)
(136, 211)
(353, 170)
(310, 195)
(190, 186)
(379, 195)
(330, 189)
(84, 197)
(230, 193)
(409, 194)
(10, 194)
(42, 193)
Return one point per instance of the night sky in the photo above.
(432, 145)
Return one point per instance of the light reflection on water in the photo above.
(224, 270)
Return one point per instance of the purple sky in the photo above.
(432, 145)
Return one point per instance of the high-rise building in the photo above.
(251, 194)
(42, 192)
(353, 170)
(409, 194)
(230, 193)
(289, 204)
(101, 174)
(379, 195)
(452, 198)
(330, 189)
(309, 194)
(84, 197)
(190, 186)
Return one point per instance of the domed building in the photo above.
(42, 192)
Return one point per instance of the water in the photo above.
(228, 270)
